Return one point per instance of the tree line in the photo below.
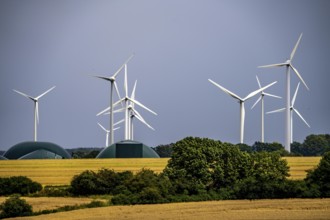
(313, 145)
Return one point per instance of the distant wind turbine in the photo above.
(288, 65)
(36, 107)
(241, 102)
(107, 133)
(113, 83)
(261, 97)
(292, 109)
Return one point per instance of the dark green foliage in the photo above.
(18, 185)
(320, 177)
(164, 150)
(269, 147)
(315, 145)
(245, 148)
(15, 206)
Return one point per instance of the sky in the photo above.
(178, 46)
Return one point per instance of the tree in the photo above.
(315, 145)
(321, 176)
(200, 164)
(15, 206)
(164, 150)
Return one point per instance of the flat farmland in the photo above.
(60, 172)
(308, 209)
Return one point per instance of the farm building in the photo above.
(127, 149)
(36, 150)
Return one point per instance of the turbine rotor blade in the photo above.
(258, 82)
(275, 111)
(296, 111)
(257, 91)
(141, 119)
(103, 77)
(122, 66)
(117, 90)
(23, 94)
(299, 76)
(295, 94)
(103, 127)
(119, 122)
(125, 84)
(141, 105)
(133, 91)
(45, 92)
(295, 47)
(273, 65)
(256, 102)
(271, 95)
(226, 90)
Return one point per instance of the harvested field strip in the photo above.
(299, 165)
(239, 209)
(48, 203)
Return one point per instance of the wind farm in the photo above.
(135, 120)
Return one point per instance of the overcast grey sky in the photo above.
(178, 45)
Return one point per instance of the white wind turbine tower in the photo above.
(127, 100)
(261, 97)
(36, 107)
(241, 102)
(107, 133)
(288, 65)
(292, 109)
(113, 83)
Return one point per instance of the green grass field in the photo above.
(60, 172)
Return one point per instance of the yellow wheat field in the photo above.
(302, 209)
(60, 172)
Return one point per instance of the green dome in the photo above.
(127, 149)
(36, 150)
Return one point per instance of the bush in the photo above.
(15, 206)
(18, 185)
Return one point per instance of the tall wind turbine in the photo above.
(127, 101)
(132, 113)
(288, 65)
(36, 107)
(241, 102)
(107, 133)
(113, 83)
(292, 109)
(261, 97)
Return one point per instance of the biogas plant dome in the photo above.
(36, 150)
(128, 149)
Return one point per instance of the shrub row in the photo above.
(18, 185)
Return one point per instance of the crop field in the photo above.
(60, 172)
(48, 203)
(232, 209)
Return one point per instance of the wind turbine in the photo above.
(127, 101)
(36, 107)
(107, 133)
(292, 109)
(241, 102)
(113, 83)
(132, 113)
(288, 65)
(261, 97)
